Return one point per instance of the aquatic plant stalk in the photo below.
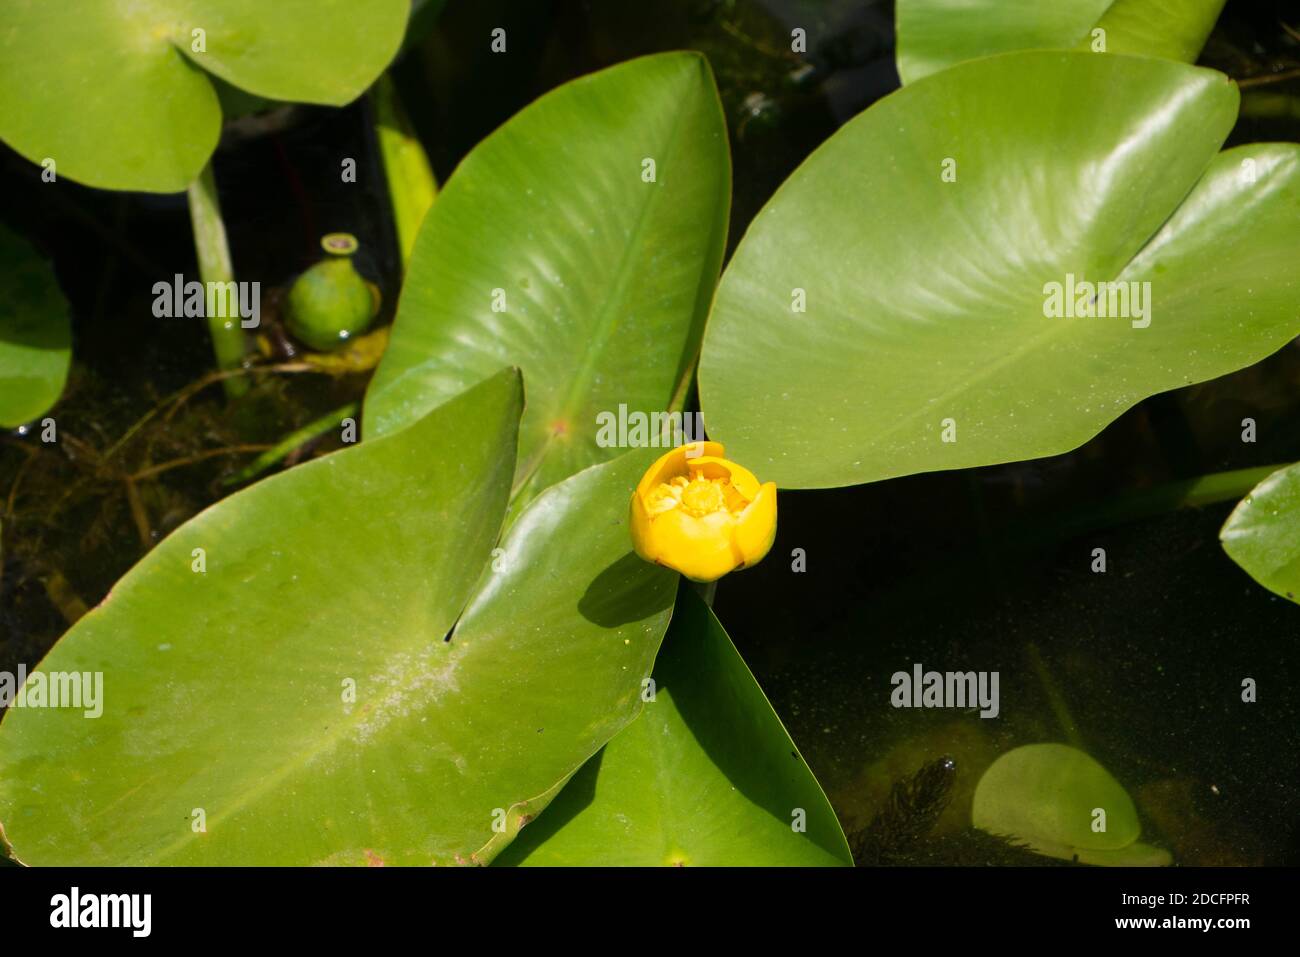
(411, 184)
(1054, 697)
(293, 440)
(1145, 503)
(215, 267)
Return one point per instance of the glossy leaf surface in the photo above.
(299, 691)
(706, 776)
(117, 94)
(930, 340)
(1262, 534)
(936, 34)
(548, 249)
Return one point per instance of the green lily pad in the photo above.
(118, 95)
(1262, 534)
(926, 342)
(35, 333)
(1048, 796)
(936, 34)
(565, 630)
(226, 691)
(707, 775)
(600, 280)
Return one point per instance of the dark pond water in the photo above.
(1141, 666)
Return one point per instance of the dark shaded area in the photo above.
(779, 105)
(1143, 662)
(79, 513)
(915, 804)
(575, 797)
(621, 594)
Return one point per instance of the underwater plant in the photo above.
(130, 96)
(35, 334)
(1063, 804)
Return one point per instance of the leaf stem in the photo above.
(213, 253)
(411, 184)
(1145, 503)
(1261, 80)
(292, 441)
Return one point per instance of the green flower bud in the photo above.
(330, 302)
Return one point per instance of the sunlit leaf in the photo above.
(926, 342)
(549, 250)
(936, 34)
(1262, 534)
(298, 695)
(706, 776)
(117, 94)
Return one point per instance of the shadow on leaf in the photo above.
(628, 590)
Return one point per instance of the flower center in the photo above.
(703, 497)
(697, 496)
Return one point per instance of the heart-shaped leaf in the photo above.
(705, 776)
(294, 700)
(35, 335)
(936, 34)
(116, 93)
(1262, 534)
(936, 243)
(580, 242)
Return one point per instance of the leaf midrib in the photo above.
(1053, 331)
(607, 319)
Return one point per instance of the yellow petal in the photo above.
(755, 529)
(642, 532)
(673, 462)
(742, 479)
(700, 548)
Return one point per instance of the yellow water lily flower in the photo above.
(695, 512)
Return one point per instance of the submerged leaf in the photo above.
(35, 333)
(1063, 804)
